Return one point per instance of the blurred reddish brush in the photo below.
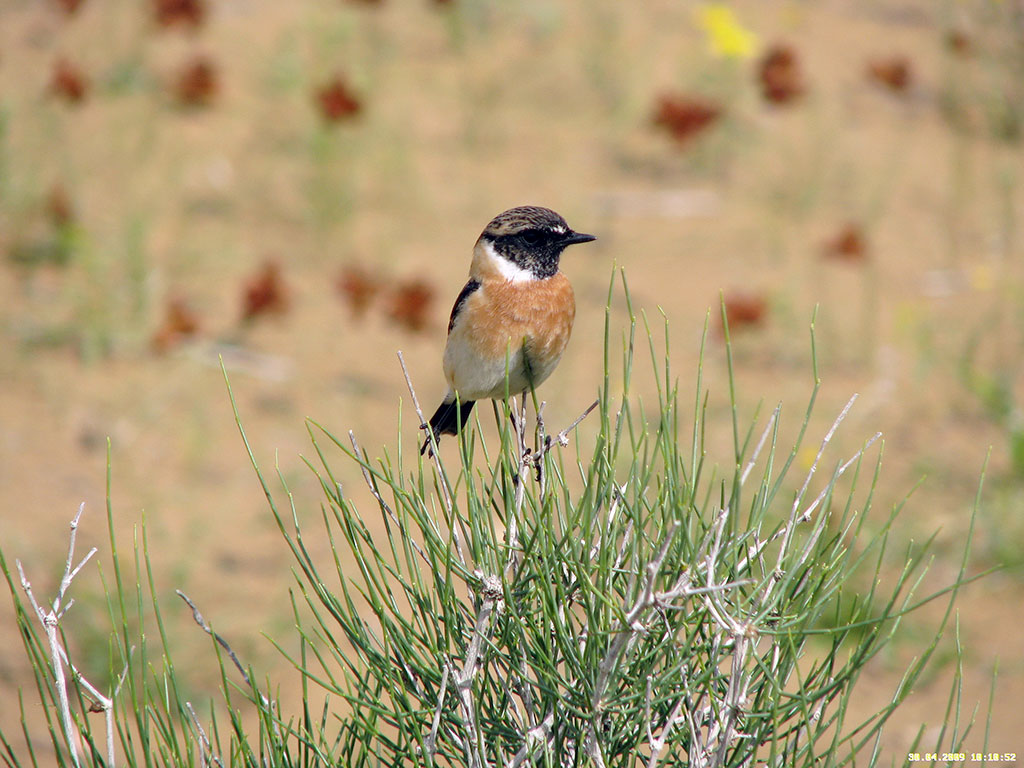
(336, 101)
(68, 82)
(959, 42)
(780, 75)
(848, 245)
(69, 6)
(894, 73)
(180, 323)
(187, 13)
(684, 116)
(59, 209)
(410, 303)
(357, 287)
(197, 83)
(743, 310)
(265, 293)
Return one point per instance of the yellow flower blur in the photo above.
(726, 36)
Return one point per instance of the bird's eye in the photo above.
(531, 237)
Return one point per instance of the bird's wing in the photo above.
(467, 290)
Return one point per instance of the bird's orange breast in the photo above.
(539, 313)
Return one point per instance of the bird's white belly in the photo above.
(475, 377)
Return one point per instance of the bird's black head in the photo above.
(531, 238)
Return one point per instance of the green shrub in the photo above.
(629, 600)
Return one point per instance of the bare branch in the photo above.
(124, 672)
(207, 748)
(630, 629)
(462, 681)
(658, 744)
(65, 581)
(735, 697)
(25, 585)
(760, 444)
(58, 654)
(807, 481)
(613, 510)
(430, 742)
(446, 493)
(49, 622)
(542, 733)
(806, 514)
(198, 618)
(562, 438)
(80, 566)
(758, 547)
(519, 426)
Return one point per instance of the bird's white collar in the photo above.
(508, 269)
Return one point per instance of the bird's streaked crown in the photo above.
(532, 238)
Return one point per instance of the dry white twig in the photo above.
(519, 428)
(204, 742)
(803, 731)
(446, 492)
(710, 748)
(794, 518)
(101, 703)
(542, 734)
(736, 695)
(198, 618)
(760, 444)
(613, 511)
(533, 458)
(58, 654)
(462, 679)
(658, 744)
(758, 547)
(430, 742)
(201, 621)
(562, 438)
(632, 628)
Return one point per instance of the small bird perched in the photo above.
(514, 315)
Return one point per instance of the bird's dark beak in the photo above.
(577, 237)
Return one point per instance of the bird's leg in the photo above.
(541, 444)
(512, 416)
(429, 439)
(524, 451)
(517, 418)
(528, 370)
(538, 432)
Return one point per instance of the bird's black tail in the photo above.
(448, 419)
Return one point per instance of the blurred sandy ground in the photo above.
(467, 111)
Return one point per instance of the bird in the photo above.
(511, 322)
